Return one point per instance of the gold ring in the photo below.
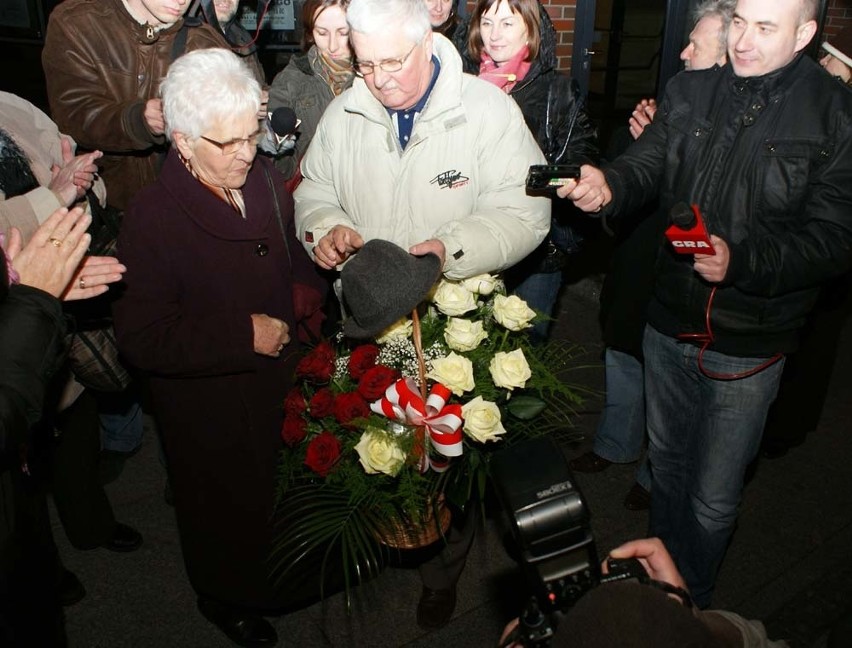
(82, 283)
(55, 241)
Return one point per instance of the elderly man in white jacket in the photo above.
(420, 154)
(434, 160)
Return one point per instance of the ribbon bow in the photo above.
(402, 402)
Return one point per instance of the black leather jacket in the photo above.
(769, 162)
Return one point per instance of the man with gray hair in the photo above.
(419, 154)
(429, 158)
(706, 47)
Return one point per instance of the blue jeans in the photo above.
(121, 420)
(621, 430)
(703, 434)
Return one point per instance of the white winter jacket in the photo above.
(461, 178)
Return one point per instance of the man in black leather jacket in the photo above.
(764, 147)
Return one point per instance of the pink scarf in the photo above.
(508, 74)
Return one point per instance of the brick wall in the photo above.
(839, 15)
(562, 13)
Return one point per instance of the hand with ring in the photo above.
(50, 259)
(93, 277)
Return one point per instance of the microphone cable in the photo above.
(707, 338)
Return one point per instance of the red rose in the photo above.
(375, 381)
(322, 403)
(322, 453)
(294, 402)
(350, 406)
(294, 430)
(362, 358)
(318, 365)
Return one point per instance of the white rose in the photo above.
(512, 312)
(510, 370)
(464, 335)
(379, 454)
(482, 284)
(482, 421)
(453, 299)
(454, 372)
(399, 329)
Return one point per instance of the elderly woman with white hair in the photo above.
(216, 286)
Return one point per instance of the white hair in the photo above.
(205, 87)
(372, 16)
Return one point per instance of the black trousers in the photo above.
(82, 504)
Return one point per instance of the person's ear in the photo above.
(182, 143)
(804, 33)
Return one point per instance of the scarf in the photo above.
(507, 75)
(16, 176)
(337, 74)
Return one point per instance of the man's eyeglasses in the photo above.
(366, 68)
(232, 147)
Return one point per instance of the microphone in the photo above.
(283, 122)
(687, 233)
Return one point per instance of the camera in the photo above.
(550, 522)
(549, 176)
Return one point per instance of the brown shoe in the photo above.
(638, 499)
(589, 463)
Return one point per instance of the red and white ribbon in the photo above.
(402, 402)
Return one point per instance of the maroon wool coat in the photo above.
(196, 271)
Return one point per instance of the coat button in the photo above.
(748, 120)
(261, 250)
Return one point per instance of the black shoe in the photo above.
(70, 588)
(124, 539)
(589, 462)
(243, 628)
(638, 499)
(435, 608)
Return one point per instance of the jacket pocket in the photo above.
(788, 164)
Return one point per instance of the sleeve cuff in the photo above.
(44, 202)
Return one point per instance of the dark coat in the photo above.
(769, 162)
(301, 87)
(196, 271)
(31, 349)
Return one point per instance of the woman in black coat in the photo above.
(32, 329)
(512, 44)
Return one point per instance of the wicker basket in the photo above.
(397, 535)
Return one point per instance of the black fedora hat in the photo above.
(383, 282)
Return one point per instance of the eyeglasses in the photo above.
(232, 147)
(366, 68)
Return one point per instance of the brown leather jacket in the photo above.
(101, 67)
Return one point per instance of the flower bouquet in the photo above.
(379, 433)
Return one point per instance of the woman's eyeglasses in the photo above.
(232, 147)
